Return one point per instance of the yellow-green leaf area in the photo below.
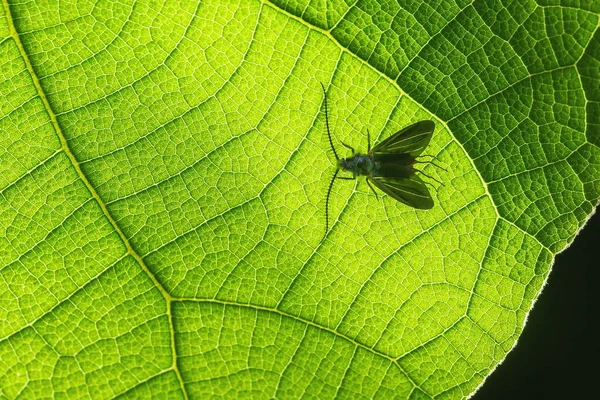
(163, 171)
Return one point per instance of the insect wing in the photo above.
(397, 165)
(410, 191)
(412, 139)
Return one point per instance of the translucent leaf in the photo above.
(163, 167)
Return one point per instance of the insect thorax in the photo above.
(358, 164)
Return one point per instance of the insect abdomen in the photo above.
(394, 165)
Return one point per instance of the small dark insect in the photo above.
(389, 165)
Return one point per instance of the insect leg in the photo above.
(348, 147)
(374, 192)
(427, 155)
(368, 141)
(432, 163)
(431, 177)
(347, 178)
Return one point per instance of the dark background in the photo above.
(559, 345)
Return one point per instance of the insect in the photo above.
(389, 165)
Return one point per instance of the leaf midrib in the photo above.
(65, 148)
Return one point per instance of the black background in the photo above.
(559, 345)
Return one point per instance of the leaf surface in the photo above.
(163, 167)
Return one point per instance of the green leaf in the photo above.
(163, 167)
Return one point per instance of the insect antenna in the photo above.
(327, 123)
(327, 203)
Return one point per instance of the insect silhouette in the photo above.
(389, 165)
